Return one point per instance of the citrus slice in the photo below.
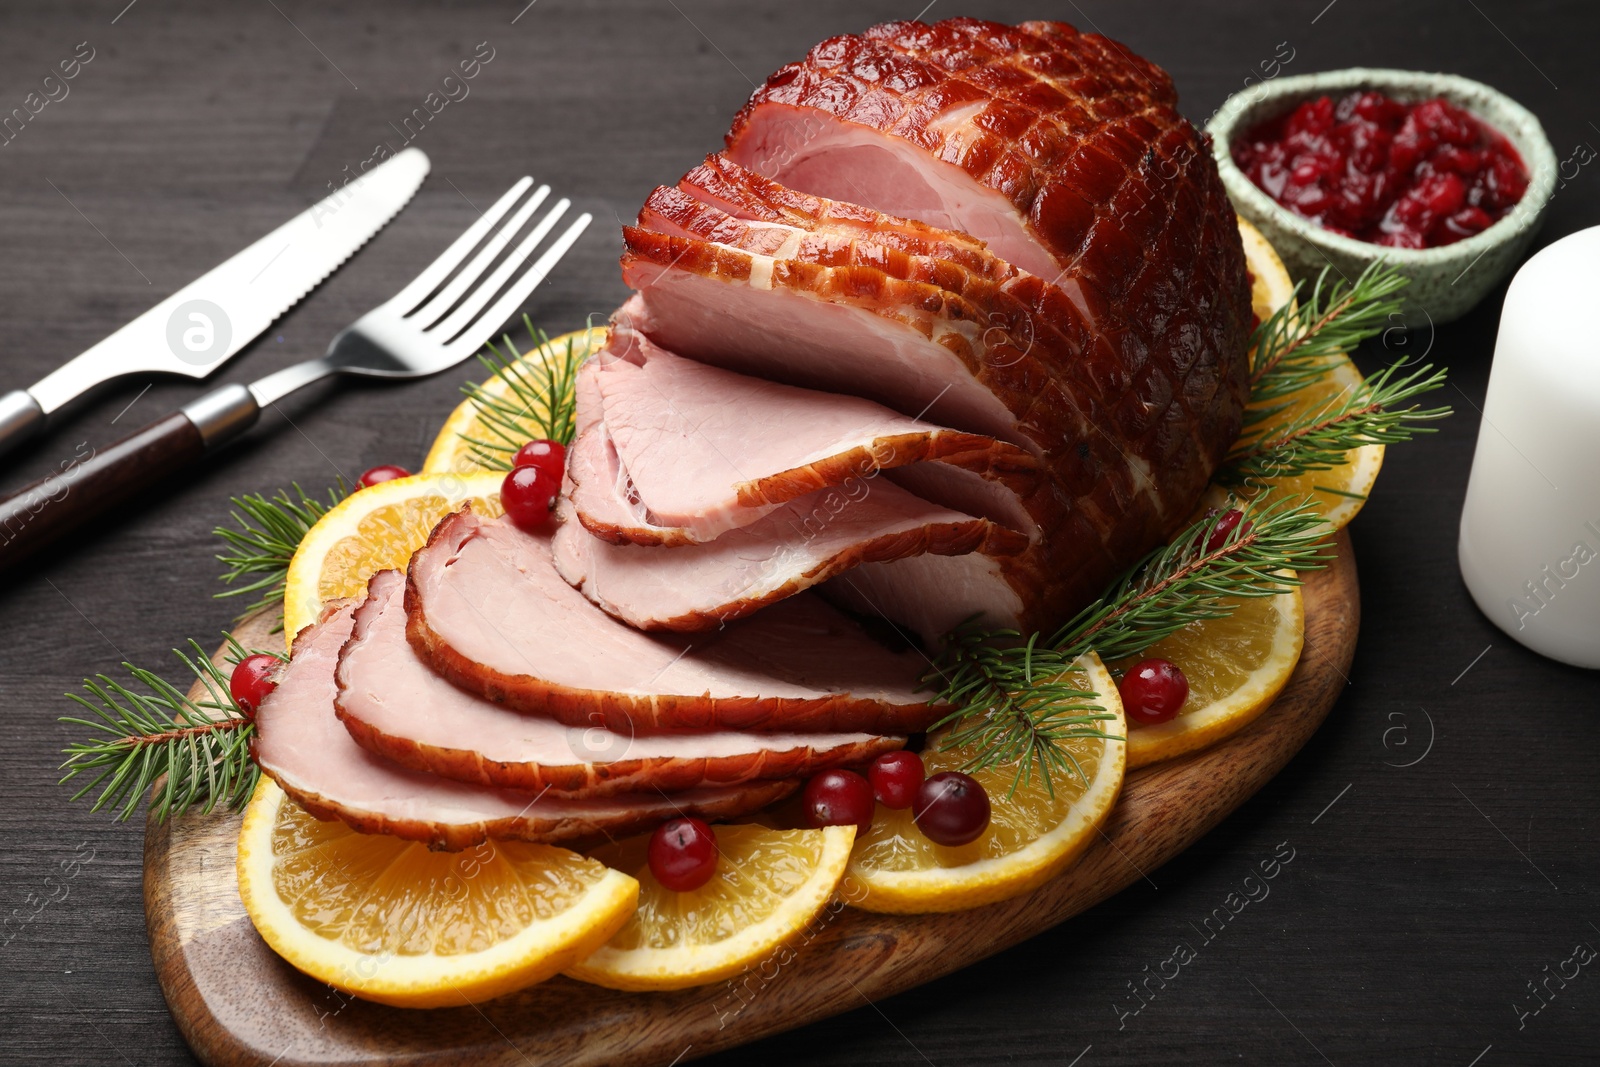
(1033, 833)
(1336, 494)
(522, 408)
(1236, 666)
(769, 885)
(371, 530)
(391, 921)
(1270, 284)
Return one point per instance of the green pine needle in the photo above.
(1378, 412)
(1007, 690)
(146, 730)
(263, 539)
(1295, 346)
(541, 402)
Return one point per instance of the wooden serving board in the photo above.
(238, 1004)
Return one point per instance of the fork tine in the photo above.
(508, 304)
(435, 309)
(408, 298)
(464, 315)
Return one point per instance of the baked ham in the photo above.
(1012, 225)
(395, 705)
(705, 450)
(301, 744)
(487, 610)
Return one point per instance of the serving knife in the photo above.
(196, 329)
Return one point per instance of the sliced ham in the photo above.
(693, 450)
(395, 705)
(301, 744)
(487, 609)
(1100, 504)
(804, 542)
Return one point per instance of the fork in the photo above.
(443, 316)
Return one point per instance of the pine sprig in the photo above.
(262, 541)
(1378, 412)
(1008, 690)
(146, 729)
(539, 401)
(1295, 346)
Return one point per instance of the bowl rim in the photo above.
(1529, 139)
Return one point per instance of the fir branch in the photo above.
(1296, 345)
(266, 532)
(1008, 694)
(146, 730)
(539, 403)
(1375, 413)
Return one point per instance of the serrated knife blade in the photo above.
(199, 327)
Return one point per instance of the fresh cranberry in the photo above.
(386, 473)
(1378, 170)
(1222, 532)
(1152, 691)
(251, 682)
(838, 798)
(548, 455)
(683, 854)
(527, 494)
(895, 778)
(952, 808)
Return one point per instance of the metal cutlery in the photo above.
(196, 329)
(443, 316)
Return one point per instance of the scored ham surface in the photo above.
(394, 704)
(302, 745)
(487, 610)
(708, 450)
(801, 544)
(1063, 153)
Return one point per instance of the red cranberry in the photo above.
(1382, 171)
(251, 681)
(527, 494)
(683, 854)
(952, 808)
(1224, 529)
(895, 778)
(838, 798)
(550, 455)
(1152, 691)
(386, 473)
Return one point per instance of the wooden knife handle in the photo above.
(97, 481)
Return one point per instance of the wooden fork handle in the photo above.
(94, 481)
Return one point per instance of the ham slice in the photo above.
(699, 443)
(394, 705)
(301, 744)
(487, 610)
(682, 452)
(802, 543)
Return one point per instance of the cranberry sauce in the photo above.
(1402, 175)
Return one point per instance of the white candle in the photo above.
(1530, 528)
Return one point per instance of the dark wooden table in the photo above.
(1442, 823)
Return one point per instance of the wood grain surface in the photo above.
(239, 1005)
(1444, 817)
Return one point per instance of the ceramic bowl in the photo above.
(1446, 281)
